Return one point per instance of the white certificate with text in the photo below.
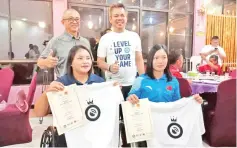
(138, 121)
(66, 109)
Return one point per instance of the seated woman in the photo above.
(79, 71)
(157, 84)
(212, 65)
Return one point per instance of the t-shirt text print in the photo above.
(122, 53)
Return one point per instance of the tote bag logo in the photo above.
(174, 129)
(92, 112)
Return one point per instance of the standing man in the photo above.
(123, 54)
(213, 49)
(56, 52)
(122, 50)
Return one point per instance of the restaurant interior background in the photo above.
(169, 22)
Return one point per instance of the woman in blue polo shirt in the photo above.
(157, 84)
(79, 71)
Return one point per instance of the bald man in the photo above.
(56, 52)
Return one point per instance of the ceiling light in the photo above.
(90, 24)
(162, 34)
(24, 19)
(171, 29)
(134, 27)
(150, 20)
(42, 24)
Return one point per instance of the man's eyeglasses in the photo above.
(71, 19)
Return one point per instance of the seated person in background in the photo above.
(157, 84)
(79, 71)
(212, 65)
(176, 62)
(214, 49)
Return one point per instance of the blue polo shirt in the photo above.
(156, 90)
(68, 80)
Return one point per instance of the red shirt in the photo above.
(206, 67)
(175, 71)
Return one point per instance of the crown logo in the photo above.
(173, 119)
(89, 102)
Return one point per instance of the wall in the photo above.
(199, 29)
(59, 6)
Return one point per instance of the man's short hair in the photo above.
(174, 55)
(117, 5)
(215, 38)
(66, 12)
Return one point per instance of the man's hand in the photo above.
(114, 68)
(51, 61)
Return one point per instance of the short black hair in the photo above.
(31, 46)
(105, 31)
(174, 55)
(71, 56)
(214, 57)
(116, 5)
(215, 38)
(151, 54)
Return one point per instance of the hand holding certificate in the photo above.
(66, 109)
(137, 120)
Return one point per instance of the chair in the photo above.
(15, 126)
(185, 88)
(6, 79)
(195, 62)
(220, 123)
(233, 73)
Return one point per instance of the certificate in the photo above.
(66, 109)
(137, 120)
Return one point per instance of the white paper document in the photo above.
(138, 121)
(66, 109)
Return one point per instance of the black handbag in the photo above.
(50, 138)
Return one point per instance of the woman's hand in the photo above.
(133, 99)
(55, 86)
(198, 98)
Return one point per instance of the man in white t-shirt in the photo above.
(123, 54)
(121, 49)
(213, 49)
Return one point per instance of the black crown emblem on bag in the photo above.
(90, 101)
(173, 119)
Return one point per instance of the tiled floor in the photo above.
(38, 130)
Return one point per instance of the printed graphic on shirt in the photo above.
(122, 51)
(92, 112)
(174, 129)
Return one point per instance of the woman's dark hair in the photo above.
(71, 56)
(214, 57)
(151, 54)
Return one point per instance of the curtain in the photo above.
(225, 27)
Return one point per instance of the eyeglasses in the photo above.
(71, 19)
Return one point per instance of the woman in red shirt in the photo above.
(212, 65)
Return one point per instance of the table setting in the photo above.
(201, 83)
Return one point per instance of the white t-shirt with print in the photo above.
(104, 131)
(209, 48)
(120, 47)
(177, 124)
